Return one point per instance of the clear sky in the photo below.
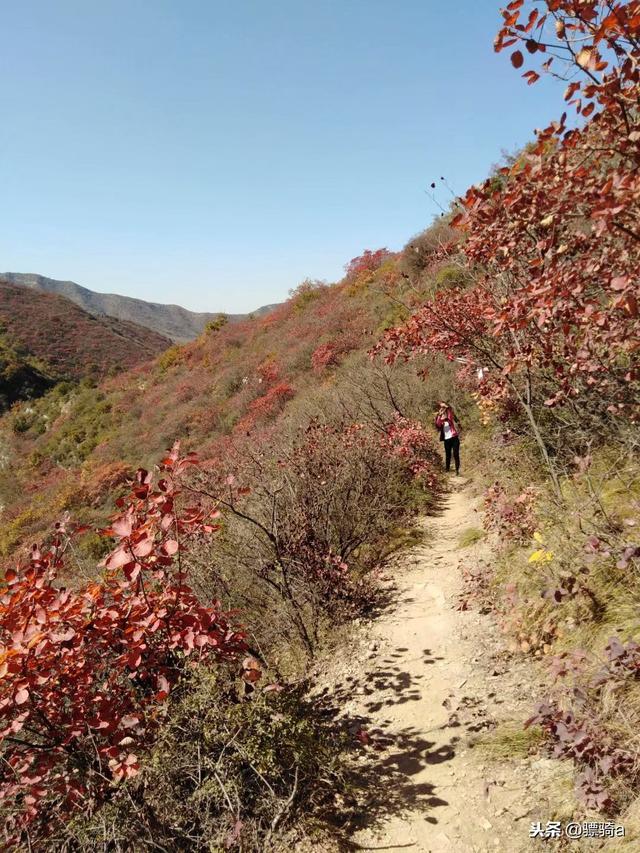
(214, 153)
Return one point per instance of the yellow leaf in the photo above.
(584, 57)
(537, 556)
(538, 537)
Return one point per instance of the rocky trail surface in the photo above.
(428, 681)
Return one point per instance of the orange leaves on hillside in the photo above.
(331, 353)
(266, 406)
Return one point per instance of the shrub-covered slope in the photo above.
(169, 321)
(313, 461)
(68, 341)
(21, 376)
(231, 386)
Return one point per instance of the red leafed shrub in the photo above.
(272, 401)
(185, 392)
(331, 353)
(368, 261)
(591, 748)
(82, 672)
(622, 662)
(326, 355)
(551, 241)
(512, 518)
(409, 440)
(269, 371)
(105, 479)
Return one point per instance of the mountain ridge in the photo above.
(69, 342)
(169, 320)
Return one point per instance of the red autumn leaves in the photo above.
(552, 240)
(82, 671)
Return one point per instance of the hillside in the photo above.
(231, 385)
(69, 343)
(170, 321)
(21, 376)
(262, 615)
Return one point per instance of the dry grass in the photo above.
(470, 537)
(511, 740)
(597, 598)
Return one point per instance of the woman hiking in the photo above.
(449, 433)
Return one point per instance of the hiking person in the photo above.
(449, 433)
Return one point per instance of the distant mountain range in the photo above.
(45, 338)
(171, 321)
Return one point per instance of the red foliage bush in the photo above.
(552, 240)
(326, 355)
(590, 748)
(409, 440)
(269, 371)
(368, 261)
(104, 480)
(84, 671)
(512, 518)
(330, 354)
(272, 401)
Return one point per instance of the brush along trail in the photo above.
(429, 682)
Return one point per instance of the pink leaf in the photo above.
(22, 696)
(170, 547)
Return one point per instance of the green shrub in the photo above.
(419, 253)
(215, 325)
(306, 292)
(232, 384)
(21, 423)
(451, 276)
(227, 771)
(169, 357)
(87, 423)
(13, 531)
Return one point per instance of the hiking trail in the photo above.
(426, 681)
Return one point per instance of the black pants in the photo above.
(452, 444)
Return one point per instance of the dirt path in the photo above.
(429, 682)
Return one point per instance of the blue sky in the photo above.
(214, 154)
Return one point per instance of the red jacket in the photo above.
(440, 422)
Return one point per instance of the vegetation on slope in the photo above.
(71, 343)
(547, 316)
(167, 321)
(311, 457)
(21, 376)
(219, 394)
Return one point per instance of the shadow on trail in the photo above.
(387, 759)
